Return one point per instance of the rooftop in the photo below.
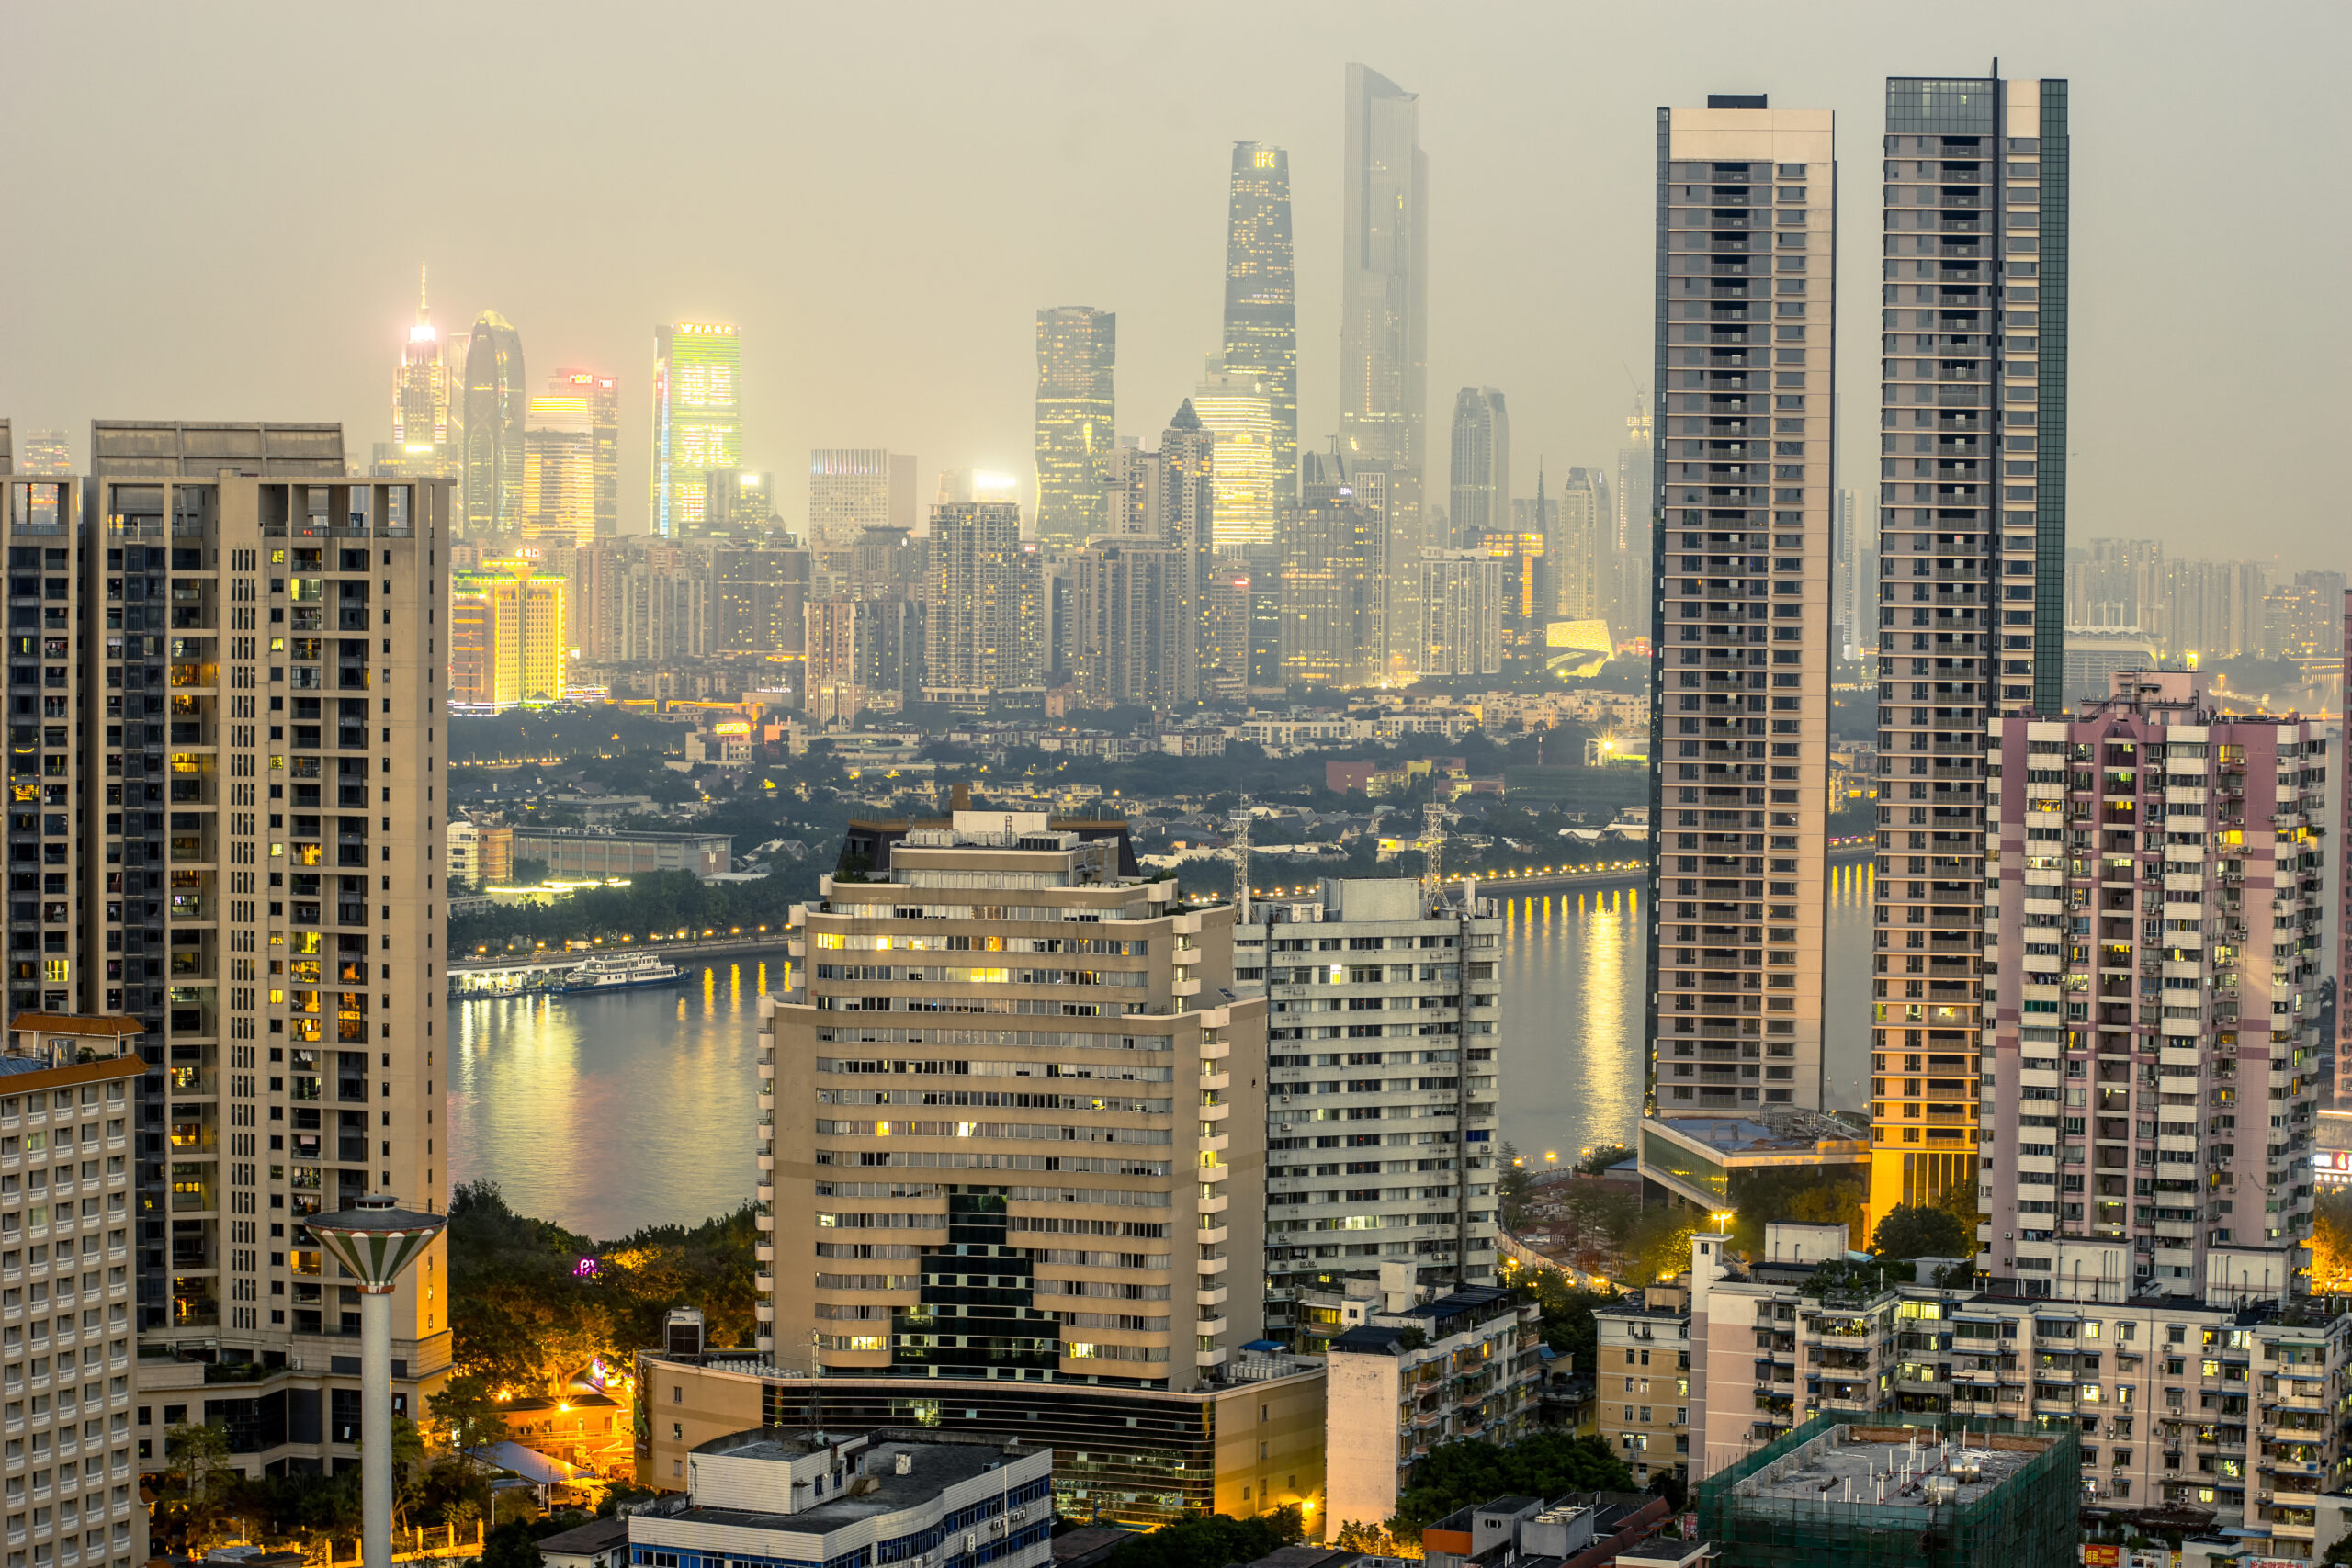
(1875, 1465)
(934, 1466)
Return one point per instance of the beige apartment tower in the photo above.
(1013, 1122)
(224, 679)
(1743, 528)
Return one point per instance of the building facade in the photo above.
(1134, 1266)
(427, 403)
(1478, 481)
(603, 395)
(853, 489)
(1260, 304)
(239, 661)
(1380, 1123)
(507, 648)
(982, 633)
(1971, 560)
(1333, 592)
(497, 405)
(1076, 408)
(1579, 560)
(2152, 1073)
(1129, 600)
(1237, 413)
(1746, 485)
(559, 470)
(1461, 606)
(697, 419)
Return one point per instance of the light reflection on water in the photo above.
(605, 1113)
(1574, 965)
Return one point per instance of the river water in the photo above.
(607, 1113)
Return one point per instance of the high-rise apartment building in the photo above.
(1186, 470)
(1383, 320)
(862, 656)
(1972, 560)
(1333, 592)
(1478, 484)
(853, 489)
(1579, 565)
(427, 400)
(1739, 747)
(230, 835)
(2338, 1079)
(1130, 598)
(68, 1092)
(495, 405)
(2300, 623)
(1636, 496)
(697, 419)
(507, 638)
(1238, 412)
(980, 640)
(1077, 358)
(603, 395)
(761, 595)
(2152, 940)
(1380, 1125)
(1260, 303)
(559, 470)
(1133, 1266)
(2116, 584)
(1461, 606)
(1856, 583)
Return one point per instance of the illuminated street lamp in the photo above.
(375, 1241)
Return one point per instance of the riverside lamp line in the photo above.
(377, 1242)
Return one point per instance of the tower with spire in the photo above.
(424, 439)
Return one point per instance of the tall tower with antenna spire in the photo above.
(424, 439)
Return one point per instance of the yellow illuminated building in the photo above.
(1240, 413)
(559, 461)
(506, 642)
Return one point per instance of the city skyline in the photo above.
(1551, 324)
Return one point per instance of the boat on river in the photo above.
(620, 972)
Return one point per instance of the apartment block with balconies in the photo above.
(1384, 1022)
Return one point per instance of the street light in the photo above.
(376, 1241)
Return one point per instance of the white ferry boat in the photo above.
(621, 971)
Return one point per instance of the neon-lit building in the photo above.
(506, 637)
(697, 419)
(604, 396)
(1238, 412)
(559, 470)
(424, 441)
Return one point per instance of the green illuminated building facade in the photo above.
(697, 419)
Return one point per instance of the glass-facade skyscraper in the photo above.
(697, 419)
(424, 421)
(1077, 353)
(1383, 321)
(1479, 480)
(497, 401)
(1260, 301)
(1971, 600)
(604, 396)
(1744, 524)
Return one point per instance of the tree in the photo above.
(1457, 1475)
(191, 1493)
(465, 1414)
(1568, 1327)
(1922, 1230)
(511, 1545)
(1516, 1182)
(1210, 1541)
(1374, 1541)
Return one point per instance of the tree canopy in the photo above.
(1460, 1475)
(1922, 1230)
(1210, 1541)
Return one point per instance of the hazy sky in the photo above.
(218, 211)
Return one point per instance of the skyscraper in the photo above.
(1628, 586)
(1383, 321)
(1333, 591)
(1187, 470)
(559, 470)
(1260, 309)
(507, 643)
(1237, 411)
(1077, 353)
(496, 401)
(2151, 978)
(853, 489)
(424, 423)
(697, 419)
(603, 394)
(1578, 563)
(1971, 569)
(1850, 593)
(164, 909)
(43, 451)
(1461, 600)
(980, 639)
(1129, 600)
(1740, 748)
(1478, 487)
